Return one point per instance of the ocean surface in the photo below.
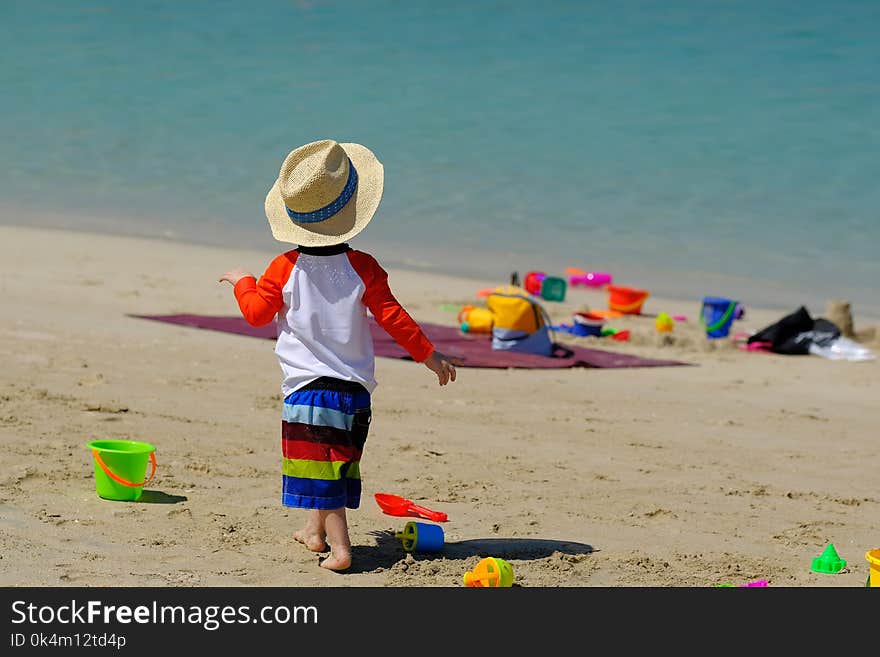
(690, 147)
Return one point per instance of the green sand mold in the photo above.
(828, 562)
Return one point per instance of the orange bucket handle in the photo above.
(120, 480)
(625, 308)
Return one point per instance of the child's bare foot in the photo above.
(334, 523)
(312, 540)
(341, 561)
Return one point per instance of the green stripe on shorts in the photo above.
(329, 470)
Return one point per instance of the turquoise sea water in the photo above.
(689, 147)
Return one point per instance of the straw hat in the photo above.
(325, 194)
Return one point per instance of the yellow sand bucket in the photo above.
(121, 467)
(873, 557)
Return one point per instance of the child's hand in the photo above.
(234, 275)
(443, 366)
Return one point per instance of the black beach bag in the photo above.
(794, 333)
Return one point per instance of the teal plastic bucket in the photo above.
(553, 288)
(717, 316)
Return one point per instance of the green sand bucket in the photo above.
(121, 467)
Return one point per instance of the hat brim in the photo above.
(345, 224)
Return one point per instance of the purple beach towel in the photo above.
(475, 349)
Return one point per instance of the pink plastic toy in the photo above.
(587, 278)
(756, 583)
(741, 341)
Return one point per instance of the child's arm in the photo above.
(259, 301)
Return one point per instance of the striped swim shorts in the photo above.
(324, 427)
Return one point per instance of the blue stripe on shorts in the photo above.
(320, 493)
(345, 402)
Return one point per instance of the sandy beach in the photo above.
(743, 466)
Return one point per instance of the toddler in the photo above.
(318, 294)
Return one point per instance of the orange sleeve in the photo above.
(388, 312)
(259, 301)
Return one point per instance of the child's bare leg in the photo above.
(336, 525)
(313, 534)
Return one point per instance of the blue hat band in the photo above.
(333, 206)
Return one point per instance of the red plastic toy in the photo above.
(533, 282)
(394, 505)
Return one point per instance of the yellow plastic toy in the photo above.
(664, 323)
(491, 572)
(475, 320)
(873, 557)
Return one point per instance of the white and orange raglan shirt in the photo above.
(319, 298)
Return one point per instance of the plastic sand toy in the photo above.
(597, 313)
(626, 300)
(394, 505)
(873, 558)
(828, 562)
(717, 316)
(533, 282)
(120, 468)
(553, 288)
(587, 278)
(421, 537)
(491, 572)
(664, 323)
